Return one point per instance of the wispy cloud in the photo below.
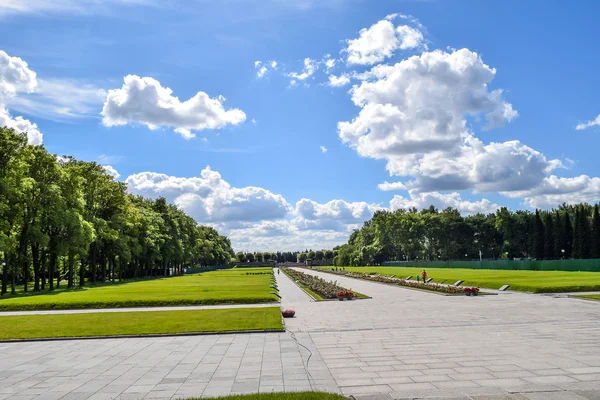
(60, 99)
(43, 7)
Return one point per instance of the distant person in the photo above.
(424, 275)
(277, 271)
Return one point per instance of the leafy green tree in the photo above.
(250, 257)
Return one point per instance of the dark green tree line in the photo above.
(66, 220)
(571, 231)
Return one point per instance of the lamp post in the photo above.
(563, 253)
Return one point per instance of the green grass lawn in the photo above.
(139, 323)
(231, 286)
(283, 396)
(590, 296)
(529, 281)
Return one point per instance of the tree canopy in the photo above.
(66, 219)
(431, 234)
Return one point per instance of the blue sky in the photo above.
(467, 104)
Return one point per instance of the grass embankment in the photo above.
(231, 286)
(282, 396)
(528, 281)
(139, 323)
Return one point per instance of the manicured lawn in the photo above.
(283, 396)
(530, 281)
(590, 296)
(231, 286)
(139, 323)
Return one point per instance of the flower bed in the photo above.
(471, 291)
(434, 287)
(325, 289)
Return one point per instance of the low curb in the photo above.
(150, 335)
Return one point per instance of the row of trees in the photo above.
(571, 231)
(62, 218)
(285, 256)
(317, 255)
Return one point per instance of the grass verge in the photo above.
(139, 323)
(282, 396)
(231, 286)
(528, 281)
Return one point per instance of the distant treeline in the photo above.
(69, 219)
(571, 231)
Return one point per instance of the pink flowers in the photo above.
(288, 313)
(471, 291)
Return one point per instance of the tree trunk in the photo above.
(43, 262)
(51, 269)
(81, 273)
(112, 269)
(35, 254)
(94, 268)
(71, 267)
(103, 264)
(5, 274)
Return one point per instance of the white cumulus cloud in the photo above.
(414, 115)
(323, 149)
(17, 78)
(111, 171)
(144, 101)
(442, 201)
(209, 198)
(380, 41)
(338, 81)
(310, 66)
(21, 125)
(554, 191)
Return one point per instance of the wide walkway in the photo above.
(399, 344)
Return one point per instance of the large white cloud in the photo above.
(145, 101)
(15, 78)
(380, 41)
(209, 198)
(442, 201)
(414, 115)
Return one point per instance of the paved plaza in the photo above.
(399, 344)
